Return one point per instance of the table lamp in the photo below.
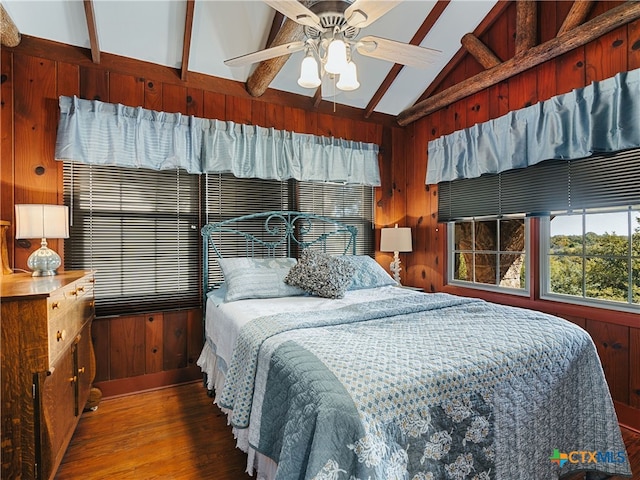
(395, 240)
(42, 221)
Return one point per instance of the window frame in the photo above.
(94, 206)
(451, 252)
(545, 267)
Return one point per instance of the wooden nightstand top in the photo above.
(23, 285)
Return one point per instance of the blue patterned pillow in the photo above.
(257, 278)
(368, 273)
(321, 274)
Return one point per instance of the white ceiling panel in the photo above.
(411, 82)
(153, 31)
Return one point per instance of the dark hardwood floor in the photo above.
(171, 433)
(175, 433)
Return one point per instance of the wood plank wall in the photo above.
(140, 351)
(616, 335)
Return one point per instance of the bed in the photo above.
(327, 369)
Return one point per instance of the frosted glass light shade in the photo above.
(336, 57)
(349, 78)
(309, 77)
(395, 239)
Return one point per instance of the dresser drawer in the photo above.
(68, 311)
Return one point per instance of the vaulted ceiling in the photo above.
(197, 36)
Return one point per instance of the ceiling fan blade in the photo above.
(362, 13)
(397, 52)
(265, 54)
(296, 11)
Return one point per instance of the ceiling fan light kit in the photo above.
(331, 28)
(348, 78)
(309, 77)
(328, 54)
(336, 57)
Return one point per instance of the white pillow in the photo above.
(257, 278)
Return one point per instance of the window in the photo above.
(349, 204)
(587, 256)
(228, 197)
(593, 257)
(140, 229)
(489, 253)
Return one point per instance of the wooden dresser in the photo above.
(47, 368)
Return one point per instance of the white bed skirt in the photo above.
(263, 467)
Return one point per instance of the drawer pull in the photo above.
(61, 335)
(73, 379)
(80, 289)
(80, 370)
(55, 305)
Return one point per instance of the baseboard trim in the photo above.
(628, 416)
(152, 381)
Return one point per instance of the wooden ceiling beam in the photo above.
(10, 36)
(317, 97)
(491, 17)
(93, 30)
(186, 43)
(266, 71)
(578, 14)
(526, 25)
(483, 54)
(276, 24)
(417, 39)
(591, 30)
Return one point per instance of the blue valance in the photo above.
(601, 117)
(258, 152)
(99, 133)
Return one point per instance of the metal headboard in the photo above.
(282, 233)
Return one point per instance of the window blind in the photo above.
(554, 185)
(227, 197)
(139, 230)
(349, 204)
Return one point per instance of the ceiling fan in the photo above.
(331, 29)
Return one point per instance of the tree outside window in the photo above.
(595, 255)
(489, 252)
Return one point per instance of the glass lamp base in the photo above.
(44, 262)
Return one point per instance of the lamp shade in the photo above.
(395, 239)
(42, 221)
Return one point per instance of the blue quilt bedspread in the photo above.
(423, 386)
